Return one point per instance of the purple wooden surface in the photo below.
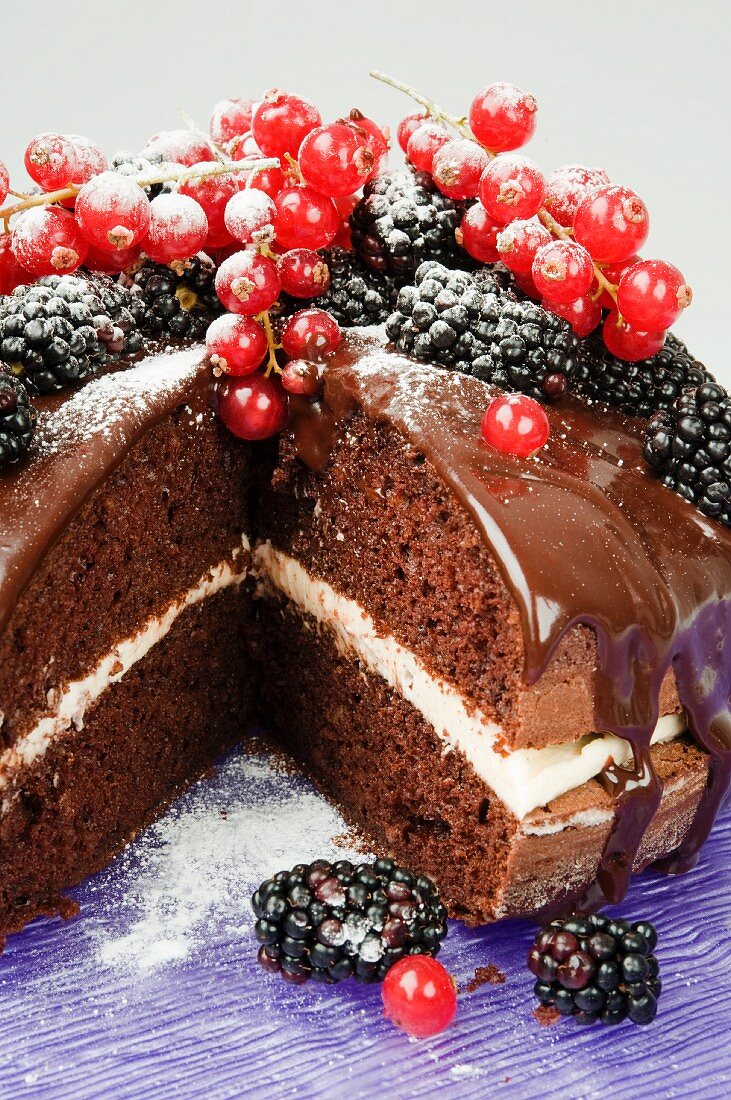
(93, 1009)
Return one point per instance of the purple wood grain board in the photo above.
(213, 1025)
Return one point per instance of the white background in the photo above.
(641, 88)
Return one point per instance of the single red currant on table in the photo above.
(612, 224)
(562, 271)
(424, 143)
(46, 241)
(516, 425)
(457, 168)
(336, 159)
(112, 212)
(311, 334)
(511, 187)
(627, 342)
(304, 273)
(503, 117)
(247, 283)
(236, 345)
(281, 122)
(419, 996)
(478, 234)
(518, 243)
(652, 294)
(305, 218)
(178, 228)
(252, 408)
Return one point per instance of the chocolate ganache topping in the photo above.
(582, 533)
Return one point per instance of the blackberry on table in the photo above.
(178, 300)
(402, 220)
(17, 419)
(331, 921)
(690, 447)
(356, 295)
(476, 325)
(596, 968)
(638, 389)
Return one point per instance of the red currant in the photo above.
(612, 223)
(502, 117)
(305, 218)
(519, 242)
(271, 181)
(562, 271)
(345, 206)
(524, 281)
(515, 424)
(512, 187)
(180, 147)
(335, 159)
(112, 211)
(613, 273)
(178, 228)
(311, 334)
(212, 193)
(652, 294)
(304, 273)
(4, 183)
(111, 263)
(244, 146)
(424, 143)
(567, 187)
(478, 234)
(250, 216)
(407, 126)
(50, 161)
(457, 168)
(230, 119)
(90, 161)
(630, 343)
(47, 241)
(247, 283)
(252, 408)
(235, 345)
(583, 314)
(301, 378)
(419, 996)
(377, 138)
(11, 273)
(281, 122)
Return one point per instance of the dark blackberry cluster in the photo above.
(17, 419)
(356, 295)
(690, 447)
(331, 921)
(133, 164)
(595, 968)
(638, 389)
(476, 325)
(178, 301)
(402, 220)
(61, 330)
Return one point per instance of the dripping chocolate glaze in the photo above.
(82, 437)
(582, 533)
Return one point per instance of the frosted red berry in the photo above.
(247, 283)
(11, 273)
(503, 117)
(90, 160)
(583, 314)
(304, 273)
(419, 996)
(511, 186)
(112, 263)
(518, 243)
(652, 294)
(230, 118)
(627, 342)
(4, 182)
(457, 168)
(515, 424)
(568, 186)
(50, 161)
(47, 241)
(478, 234)
(612, 223)
(212, 193)
(236, 345)
(424, 143)
(562, 271)
(301, 378)
(252, 408)
(112, 211)
(407, 126)
(249, 216)
(377, 138)
(178, 228)
(336, 159)
(305, 218)
(281, 122)
(613, 273)
(185, 147)
(311, 334)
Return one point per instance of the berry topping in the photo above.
(178, 228)
(311, 334)
(424, 143)
(331, 921)
(230, 119)
(567, 187)
(250, 215)
(336, 159)
(177, 301)
(235, 345)
(627, 342)
(303, 273)
(247, 283)
(281, 122)
(186, 147)
(112, 212)
(46, 240)
(612, 224)
(595, 968)
(512, 187)
(212, 194)
(4, 182)
(305, 218)
(583, 314)
(502, 117)
(252, 408)
(518, 243)
(17, 419)
(478, 234)
(419, 996)
(301, 378)
(516, 425)
(457, 168)
(50, 161)
(562, 271)
(11, 273)
(407, 126)
(652, 294)
(352, 294)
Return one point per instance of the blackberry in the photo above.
(61, 330)
(17, 419)
(475, 324)
(402, 220)
(178, 301)
(638, 389)
(331, 921)
(595, 968)
(133, 164)
(356, 295)
(690, 447)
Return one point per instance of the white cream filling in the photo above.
(523, 779)
(71, 703)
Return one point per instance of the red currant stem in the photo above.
(266, 324)
(462, 128)
(18, 194)
(294, 165)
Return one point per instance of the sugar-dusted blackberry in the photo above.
(17, 419)
(638, 389)
(594, 968)
(179, 300)
(402, 220)
(133, 164)
(331, 921)
(533, 351)
(690, 447)
(356, 295)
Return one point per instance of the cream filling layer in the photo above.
(523, 779)
(70, 704)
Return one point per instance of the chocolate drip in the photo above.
(582, 533)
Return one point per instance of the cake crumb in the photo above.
(485, 975)
(546, 1015)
